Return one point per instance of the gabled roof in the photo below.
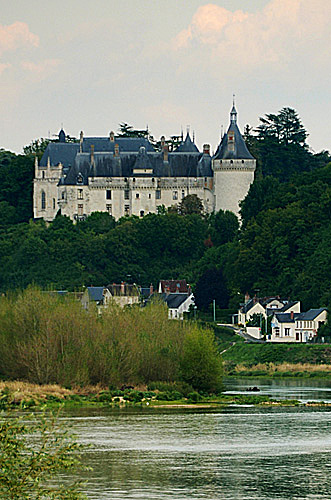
(174, 300)
(249, 305)
(288, 306)
(187, 146)
(95, 293)
(142, 161)
(311, 314)
(286, 317)
(126, 144)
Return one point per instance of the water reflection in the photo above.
(234, 454)
(286, 388)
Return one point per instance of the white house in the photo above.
(178, 304)
(296, 327)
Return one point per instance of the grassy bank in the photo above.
(274, 370)
(23, 395)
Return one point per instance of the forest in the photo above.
(282, 246)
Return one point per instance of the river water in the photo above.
(233, 453)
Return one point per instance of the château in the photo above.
(127, 176)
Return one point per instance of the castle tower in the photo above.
(233, 167)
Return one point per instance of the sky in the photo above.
(166, 64)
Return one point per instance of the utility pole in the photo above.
(214, 310)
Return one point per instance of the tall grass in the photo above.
(49, 339)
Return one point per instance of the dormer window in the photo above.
(80, 179)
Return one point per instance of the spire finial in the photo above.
(193, 138)
(233, 114)
(188, 129)
(234, 99)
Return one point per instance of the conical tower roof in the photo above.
(232, 145)
(187, 146)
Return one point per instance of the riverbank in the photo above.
(24, 395)
(274, 370)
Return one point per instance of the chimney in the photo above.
(92, 154)
(292, 315)
(122, 288)
(247, 297)
(167, 290)
(165, 152)
(116, 150)
(151, 289)
(112, 136)
(206, 149)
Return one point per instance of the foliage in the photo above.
(201, 364)
(211, 286)
(47, 338)
(34, 449)
(190, 204)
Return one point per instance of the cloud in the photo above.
(4, 66)
(16, 35)
(273, 35)
(41, 70)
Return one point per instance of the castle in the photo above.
(127, 176)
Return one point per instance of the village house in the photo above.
(264, 306)
(296, 327)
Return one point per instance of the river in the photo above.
(234, 453)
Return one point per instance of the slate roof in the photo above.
(288, 306)
(287, 317)
(311, 314)
(60, 152)
(127, 144)
(240, 151)
(95, 293)
(174, 300)
(187, 146)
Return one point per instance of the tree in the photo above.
(126, 130)
(190, 204)
(27, 463)
(224, 226)
(211, 286)
(201, 364)
(286, 127)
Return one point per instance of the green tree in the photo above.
(33, 450)
(190, 204)
(211, 286)
(201, 364)
(224, 227)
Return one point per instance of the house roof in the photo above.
(288, 306)
(95, 293)
(284, 317)
(174, 300)
(311, 314)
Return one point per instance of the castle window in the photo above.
(126, 209)
(141, 213)
(175, 195)
(231, 161)
(62, 195)
(242, 161)
(43, 200)
(158, 194)
(53, 203)
(43, 174)
(126, 194)
(137, 195)
(79, 179)
(80, 210)
(108, 208)
(149, 195)
(153, 180)
(80, 194)
(108, 194)
(134, 180)
(183, 193)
